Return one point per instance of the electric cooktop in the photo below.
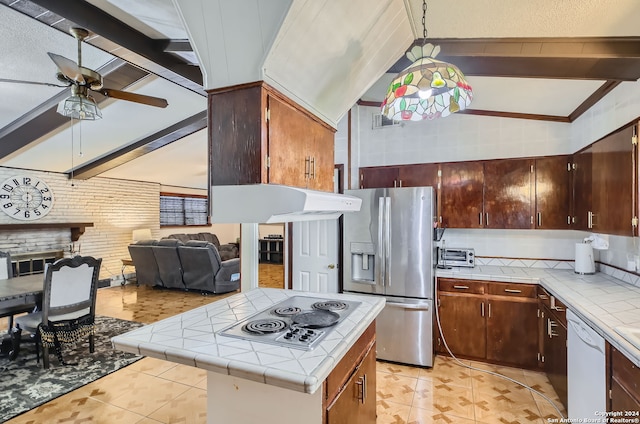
(299, 322)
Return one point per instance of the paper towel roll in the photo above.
(584, 259)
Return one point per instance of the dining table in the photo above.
(20, 294)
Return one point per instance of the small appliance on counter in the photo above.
(462, 257)
(585, 262)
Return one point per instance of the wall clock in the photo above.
(25, 198)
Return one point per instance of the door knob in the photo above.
(331, 266)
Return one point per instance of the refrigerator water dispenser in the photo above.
(363, 262)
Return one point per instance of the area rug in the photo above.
(24, 384)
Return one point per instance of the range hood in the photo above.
(273, 203)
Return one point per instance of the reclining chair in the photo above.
(169, 266)
(204, 271)
(145, 262)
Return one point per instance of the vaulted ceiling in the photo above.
(534, 60)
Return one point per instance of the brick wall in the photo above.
(116, 208)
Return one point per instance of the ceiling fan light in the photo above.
(78, 106)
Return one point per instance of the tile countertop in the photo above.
(601, 300)
(190, 338)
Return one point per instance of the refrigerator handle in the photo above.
(387, 239)
(380, 256)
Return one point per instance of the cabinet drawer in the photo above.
(626, 373)
(462, 286)
(512, 289)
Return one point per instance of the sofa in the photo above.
(226, 251)
(193, 266)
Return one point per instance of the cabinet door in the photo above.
(288, 129)
(625, 383)
(463, 324)
(512, 326)
(461, 195)
(553, 193)
(507, 193)
(356, 404)
(378, 177)
(555, 355)
(582, 188)
(320, 147)
(612, 179)
(419, 175)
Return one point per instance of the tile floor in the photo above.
(154, 391)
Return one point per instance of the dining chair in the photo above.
(68, 306)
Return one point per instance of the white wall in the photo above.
(461, 137)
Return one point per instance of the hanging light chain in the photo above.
(424, 21)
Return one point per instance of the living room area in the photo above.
(118, 306)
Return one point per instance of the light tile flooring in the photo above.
(155, 391)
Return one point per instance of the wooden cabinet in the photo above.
(491, 321)
(415, 175)
(300, 150)
(378, 177)
(462, 326)
(461, 195)
(257, 135)
(350, 389)
(554, 349)
(507, 193)
(553, 193)
(604, 184)
(511, 331)
(582, 189)
(418, 175)
(624, 384)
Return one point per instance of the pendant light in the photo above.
(428, 88)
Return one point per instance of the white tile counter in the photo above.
(601, 300)
(190, 338)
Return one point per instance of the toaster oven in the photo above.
(463, 257)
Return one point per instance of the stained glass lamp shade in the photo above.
(426, 89)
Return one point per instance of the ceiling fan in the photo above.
(82, 80)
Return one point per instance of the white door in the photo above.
(315, 256)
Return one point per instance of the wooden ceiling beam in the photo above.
(141, 147)
(614, 58)
(115, 37)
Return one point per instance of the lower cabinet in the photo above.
(554, 342)
(624, 384)
(489, 321)
(350, 389)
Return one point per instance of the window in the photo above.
(177, 209)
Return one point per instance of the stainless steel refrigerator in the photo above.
(389, 251)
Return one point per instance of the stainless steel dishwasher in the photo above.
(586, 370)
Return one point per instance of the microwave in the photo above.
(464, 257)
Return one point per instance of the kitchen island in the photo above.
(250, 381)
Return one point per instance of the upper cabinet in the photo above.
(461, 195)
(415, 175)
(418, 175)
(507, 193)
(379, 177)
(553, 193)
(605, 184)
(257, 135)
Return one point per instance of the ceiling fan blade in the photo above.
(32, 82)
(133, 97)
(68, 67)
